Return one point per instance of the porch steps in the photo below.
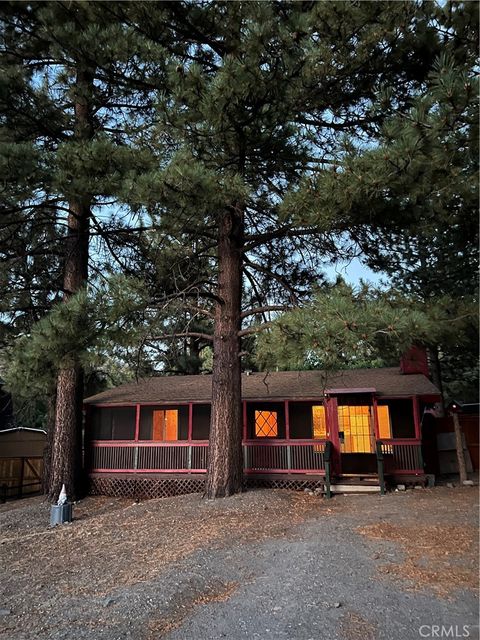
(356, 483)
(355, 488)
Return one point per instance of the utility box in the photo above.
(60, 513)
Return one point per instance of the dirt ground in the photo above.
(266, 563)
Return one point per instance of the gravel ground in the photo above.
(264, 564)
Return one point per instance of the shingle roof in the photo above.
(271, 386)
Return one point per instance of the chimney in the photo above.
(415, 361)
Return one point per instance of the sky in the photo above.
(353, 271)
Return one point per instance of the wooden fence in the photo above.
(20, 477)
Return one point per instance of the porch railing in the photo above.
(287, 456)
(279, 456)
(284, 456)
(148, 457)
(402, 456)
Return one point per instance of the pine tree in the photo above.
(261, 102)
(81, 99)
(419, 185)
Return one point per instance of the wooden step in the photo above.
(355, 488)
(358, 480)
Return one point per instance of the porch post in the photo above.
(332, 418)
(416, 418)
(287, 436)
(245, 450)
(376, 429)
(190, 421)
(287, 421)
(137, 435)
(244, 407)
(189, 435)
(137, 422)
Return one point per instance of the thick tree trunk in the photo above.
(462, 467)
(67, 459)
(47, 456)
(225, 469)
(66, 449)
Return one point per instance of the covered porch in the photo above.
(329, 441)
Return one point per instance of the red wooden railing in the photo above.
(287, 456)
(272, 456)
(280, 456)
(402, 456)
(148, 457)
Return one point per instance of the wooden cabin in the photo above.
(300, 428)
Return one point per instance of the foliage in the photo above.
(347, 328)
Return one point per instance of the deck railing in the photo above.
(402, 456)
(290, 456)
(287, 456)
(148, 457)
(272, 456)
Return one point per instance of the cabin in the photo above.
(300, 429)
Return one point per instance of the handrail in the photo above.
(380, 469)
(327, 457)
(264, 442)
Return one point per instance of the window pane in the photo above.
(384, 428)
(164, 423)
(319, 422)
(355, 427)
(266, 424)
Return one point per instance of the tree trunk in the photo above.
(66, 450)
(462, 467)
(225, 469)
(67, 459)
(47, 456)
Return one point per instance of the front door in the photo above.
(357, 439)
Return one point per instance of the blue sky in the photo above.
(352, 271)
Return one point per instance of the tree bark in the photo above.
(225, 469)
(66, 450)
(462, 467)
(47, 456)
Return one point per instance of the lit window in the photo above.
(165, 424)
(266, 424)
(355, 423)
(319, 422)
(384, 426)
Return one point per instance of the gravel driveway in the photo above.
(264, 564)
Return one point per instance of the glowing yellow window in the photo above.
(356, 425)
(266, 424)
(165, 424)
(384, 426)
(319, 422)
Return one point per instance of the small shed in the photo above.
(21, 461)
